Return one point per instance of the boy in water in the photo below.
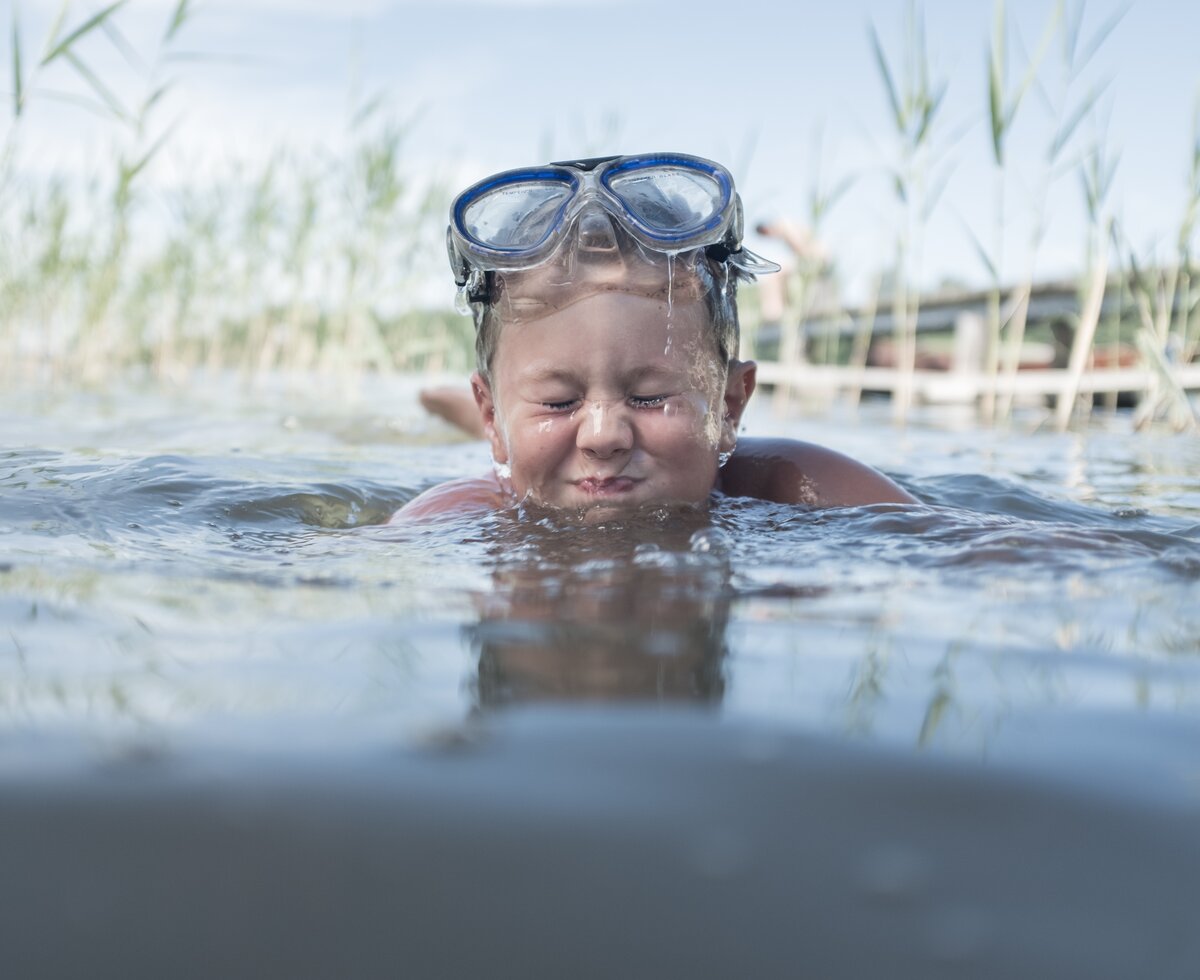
(604, 293)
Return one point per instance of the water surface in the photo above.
(212, 560)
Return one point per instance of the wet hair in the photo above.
(717, 283)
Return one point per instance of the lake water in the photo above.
(201, 577)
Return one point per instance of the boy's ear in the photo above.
(739, 386)
(487, 415)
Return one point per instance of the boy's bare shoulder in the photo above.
(794, 472)
(453, 499)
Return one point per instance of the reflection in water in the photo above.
(634, 610)
(198, 576)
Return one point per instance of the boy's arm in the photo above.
(794, 472)
(453, 499)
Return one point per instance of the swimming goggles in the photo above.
(667, 202)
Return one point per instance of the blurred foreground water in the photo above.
(201, 607)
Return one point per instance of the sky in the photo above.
(787, 94)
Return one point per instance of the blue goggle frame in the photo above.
(720, 233)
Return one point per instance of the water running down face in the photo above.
(607, 403)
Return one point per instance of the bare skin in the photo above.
(608, 404)
(785, 471)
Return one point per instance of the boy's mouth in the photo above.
(612, 486)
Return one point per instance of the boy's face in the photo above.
(605, 404)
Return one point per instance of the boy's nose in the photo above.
(603, 430)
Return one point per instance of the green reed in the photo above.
(918, 176)
(1167, 304)
(300, 263)
(1003, 104)
(308, 261)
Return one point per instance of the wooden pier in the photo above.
(940, 387)
(958, 373)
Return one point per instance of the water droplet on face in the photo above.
(723, 458)
(670, 285)
(503, 470)
(670, 297)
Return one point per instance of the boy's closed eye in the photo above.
(637, 401)
(648, 401)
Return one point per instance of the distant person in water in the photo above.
(604, 294)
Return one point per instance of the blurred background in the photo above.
(262, 185)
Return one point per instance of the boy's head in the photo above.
(604, 295)
(585, 224)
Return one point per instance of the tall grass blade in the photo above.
(1071, 123)
(996, 103)
(178, 18)
(920, 53)
(929, 110)
(89, 25)
(154, 97)
(1169, 394)
(889, 82)
(939, 185)
(1072, 31)
(1102, 33)
(1081, 344)
(121, 43)
(367, 111)
(103, 92)
(997, 60)
(130, 172)
(18, 90)
(56, 27)
(75, 99)
(1096, 173)
(1031, 69)
(982, 252)
(999, 41)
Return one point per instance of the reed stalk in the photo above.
(915, 99)
(812, 266)
(1003, 105)
(298, 264)
(861, 345)
(1085, 333)
(1164, 304)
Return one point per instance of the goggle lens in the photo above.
(516, 216)
(671, 202)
